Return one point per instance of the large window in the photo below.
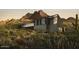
(43, 21)
(37, 22)
(55, 21)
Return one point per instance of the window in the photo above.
(37, 22)
(43, 21)
(40, 21)
(55, 21)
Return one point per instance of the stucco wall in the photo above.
(41, 28)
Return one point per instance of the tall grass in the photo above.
(13, 36)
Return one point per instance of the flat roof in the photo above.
(28, 25)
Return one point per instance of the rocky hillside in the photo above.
(38, 14)
(35, 15)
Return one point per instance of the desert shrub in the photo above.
(13, 36)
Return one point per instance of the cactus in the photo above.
(76, 22)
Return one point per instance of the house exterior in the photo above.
(27, 23)
(48, 24)
(30, 25)
(45, 23)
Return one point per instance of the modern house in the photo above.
(45, 23)
(48, 24)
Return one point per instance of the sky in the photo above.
(18, 13)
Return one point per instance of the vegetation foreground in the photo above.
(13, 36)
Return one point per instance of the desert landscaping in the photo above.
(14, 35)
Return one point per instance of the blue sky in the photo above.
(18, 13)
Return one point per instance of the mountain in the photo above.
(29, 17)
(38, 15)
(71, 18)
(10, 21)
(26, 16)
